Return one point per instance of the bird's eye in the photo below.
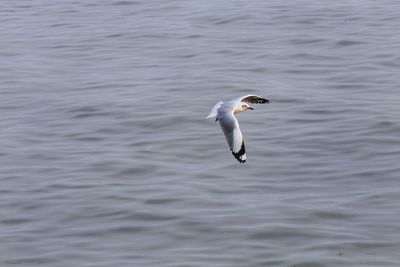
(243, 106)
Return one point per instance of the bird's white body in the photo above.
(224, 111)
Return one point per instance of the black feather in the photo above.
(255, 100)
(240, 153)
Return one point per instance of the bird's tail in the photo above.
(214, 110)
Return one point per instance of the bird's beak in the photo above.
(250, 108)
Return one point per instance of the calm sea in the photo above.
(106, 158)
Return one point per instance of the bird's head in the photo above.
(242, 106)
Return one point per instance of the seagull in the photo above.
(225, 114)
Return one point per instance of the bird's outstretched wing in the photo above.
(233, 135)
(252, 99)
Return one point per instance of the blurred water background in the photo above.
(107, 158)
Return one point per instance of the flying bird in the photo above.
(225, 114)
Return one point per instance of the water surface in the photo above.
(107, 159)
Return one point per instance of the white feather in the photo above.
(230, 125)
(214, 110)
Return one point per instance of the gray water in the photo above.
(107, 158)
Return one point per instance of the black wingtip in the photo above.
(241, 154)
(263, 101)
